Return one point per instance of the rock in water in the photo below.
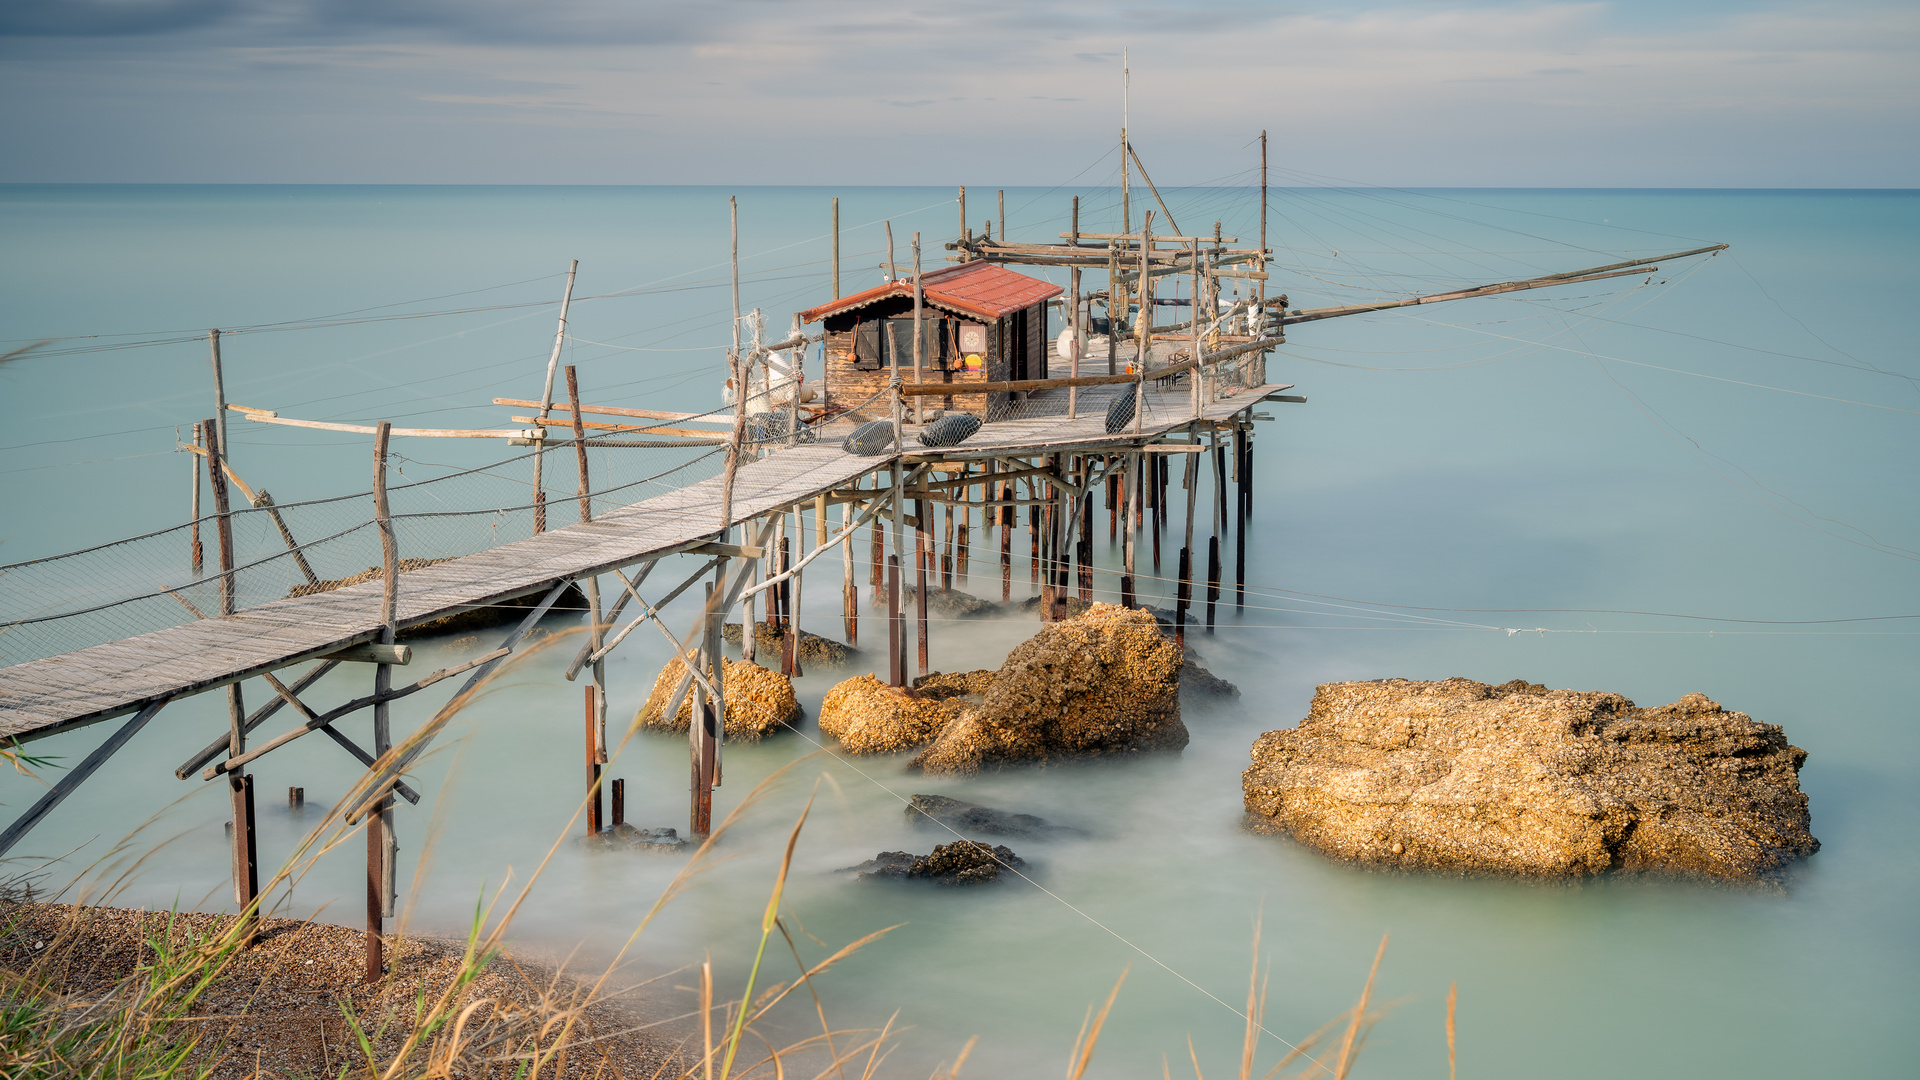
(968, 817)
(625, 837)
(759, 701)
(815, 651)
(1459, 775)
(963, 862)
(1103, 683)
(1196, 679)
(948, 603)
(870, 717)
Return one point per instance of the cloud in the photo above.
(1402, 92)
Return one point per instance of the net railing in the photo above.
(109, 592)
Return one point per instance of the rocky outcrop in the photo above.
(759, 701)
(1104, 683)
(625, 837)
(948, 603)
(870, 717)
(815, 651)
(934, 811)
(1466, 777)
(963, 862)
(1197, 681)
(947, 685)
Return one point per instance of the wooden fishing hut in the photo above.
(979, 322)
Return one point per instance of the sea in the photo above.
(1699, 479)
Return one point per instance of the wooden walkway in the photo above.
(59, 693)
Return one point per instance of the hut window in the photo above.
(866, 346)
(899, 342)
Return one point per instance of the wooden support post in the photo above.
(1213, 577)
(1219, 482)
(749, 618)
(219, 393)
(965, 233)
(836, 247)
(296, 798)
(579, 445)
(619, 803)
(1129, 487)
(1043, 549)
(1033, 535)
(1157, 493)
(593, 768)
(947, 549)
(1242, 504)
(1062, 508)
(1113, 506)
(1073, 319)
(925, 556)
(1008, 522)
(1085, 555)
(896, 650)
(966, 527)
(1003, 214)
(849, 592)
(1183, 591)
(381, 848)
(546, 404)
(246, 868)
(790, 605)
(196, 550)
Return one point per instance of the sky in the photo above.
(1638, 93)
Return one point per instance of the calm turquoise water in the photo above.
(1443, 463)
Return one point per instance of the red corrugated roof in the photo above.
(982, 290)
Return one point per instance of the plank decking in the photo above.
(58, 693)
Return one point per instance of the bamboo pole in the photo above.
(380, 880)
(197, 551)
(219, 390)
(919, 346)
(546, 401)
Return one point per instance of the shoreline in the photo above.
(275, 1008)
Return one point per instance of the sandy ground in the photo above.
(276, 1010)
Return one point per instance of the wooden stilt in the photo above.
(1213, 577)
(1007, 525)
(196, 550)
(966, 527)
(849, 592)
(1129, 487)
(619, 803)
(896, 650)
(785, 592)
(1085, 554)
(1033, 533)
(1244, 503)
(546, 401)
(381, 848)
(1183, 591)
(795, 587)
(920, 599)
(947, 549)
(246, 869)
(593, 768)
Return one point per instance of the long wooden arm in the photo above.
(1571, 277)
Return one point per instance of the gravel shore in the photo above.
(276, 1009)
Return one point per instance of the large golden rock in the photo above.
(1462, 776)
(1104, 682)
(758, 701)
(870, 717)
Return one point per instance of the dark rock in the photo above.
(951, 603)
(1519, 779)
(968, 817)
(815, 651)
(963, 862)
(1195, 679)
(625, 837)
